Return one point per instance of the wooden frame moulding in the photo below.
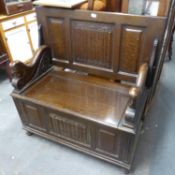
(28, 32)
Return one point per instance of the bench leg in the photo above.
(29, 133)
(126, 171)
(8, 70)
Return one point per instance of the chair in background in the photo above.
(96, 5)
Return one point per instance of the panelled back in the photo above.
(101, 43)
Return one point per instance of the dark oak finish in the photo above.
(80, 111)
(93, 97)
(136, 93)
(118, 46)
(96, 98)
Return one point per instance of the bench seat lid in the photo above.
(92, 98)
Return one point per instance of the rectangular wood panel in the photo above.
(127, 145)
(69, 129)
(107, 142)
(56, 29)
(21, 110)
(92, 43)
(131, 49)
(34, 117)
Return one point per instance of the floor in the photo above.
(24, 155)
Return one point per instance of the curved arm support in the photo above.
(23, 73)
(136, 92)
(140, 82)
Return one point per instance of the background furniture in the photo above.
(19, 35)
(97, 5)
(9, 7)
(102, 5)
(4, 62)
(130, 6)
(60, 3)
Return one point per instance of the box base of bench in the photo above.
(127, 166)
(82, 112)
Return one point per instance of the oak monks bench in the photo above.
(88, 84)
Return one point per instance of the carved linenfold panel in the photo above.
(107, 142)
(131, 49)
(69, 129)
(56, 29)
(34, 117)
(92, 43)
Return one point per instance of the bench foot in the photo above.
(126, 171)
(29, 133)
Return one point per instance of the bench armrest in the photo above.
(23, 73)
(140, 82)
(137, 95)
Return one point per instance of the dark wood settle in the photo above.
(13, 7)
(88, 84)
